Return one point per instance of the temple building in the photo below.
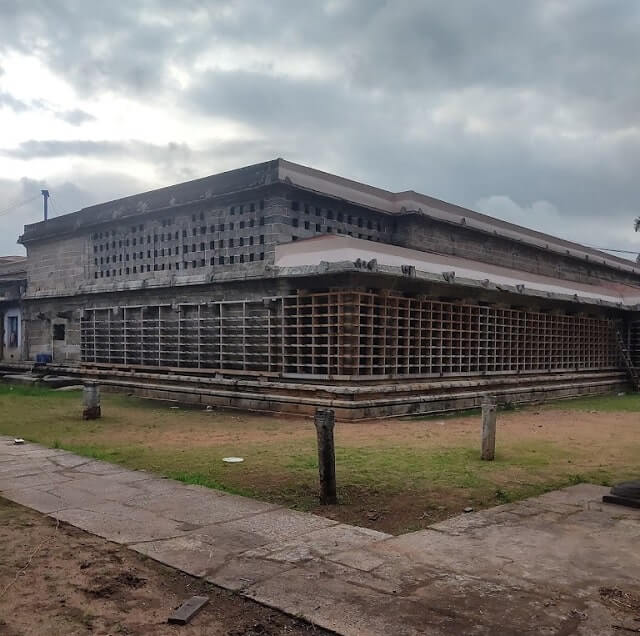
(278, 287)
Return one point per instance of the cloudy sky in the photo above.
(528, 110)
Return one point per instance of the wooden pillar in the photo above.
(489, 412)
(324, 421)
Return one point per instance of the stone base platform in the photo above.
(351, 400)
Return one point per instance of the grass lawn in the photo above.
(394, 475)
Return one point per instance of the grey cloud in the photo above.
(279, 102)
(172, 162)
(75, 117)
(11, 102)
(555, 84)
(579, 52)
(85, 148)
(97, 45)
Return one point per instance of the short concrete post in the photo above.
(325, 420)
(489, 411)
(91, 397)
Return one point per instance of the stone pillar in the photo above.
(91, 398)
(324, 421)
(489, 412)
(349, 341)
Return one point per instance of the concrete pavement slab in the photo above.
(68, 460)
(121, 524)
(280, 524)
(201, 551)
(318, 544)
(579, 495)
(97, 467)
(100, 488)
(66, 496)
(240, 573)
(359, 559)
(162, 486)
(130, 476)
(584, 548)
(346, 607)
(39, 500)
(30, 451)
(200, 508)
(19, 468)
(31, 480)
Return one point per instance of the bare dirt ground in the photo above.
(58, 580)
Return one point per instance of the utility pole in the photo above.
(45, 202)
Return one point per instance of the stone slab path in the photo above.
(536, 567)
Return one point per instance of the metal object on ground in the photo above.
(626, 493)
(188, 610)
(233, 460)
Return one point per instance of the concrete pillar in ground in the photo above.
(325, 420)
(91, 398)
(489, 412)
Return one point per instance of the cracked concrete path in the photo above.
(546, 565)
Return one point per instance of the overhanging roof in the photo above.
(318, 252)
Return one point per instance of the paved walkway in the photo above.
(536, 567)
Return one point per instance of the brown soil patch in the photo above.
(197, 428)
(582, 428)
(77, 583)
(396, 513)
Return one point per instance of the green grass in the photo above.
(627, 403)
(404, 466)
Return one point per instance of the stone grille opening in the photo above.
(348, 334)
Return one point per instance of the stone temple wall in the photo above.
(192, 243)
(421, 233)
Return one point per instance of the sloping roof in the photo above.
(448, 269)
(400, 203)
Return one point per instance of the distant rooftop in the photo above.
(13, 269)
(12, 259)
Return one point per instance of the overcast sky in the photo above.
(528, 110)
